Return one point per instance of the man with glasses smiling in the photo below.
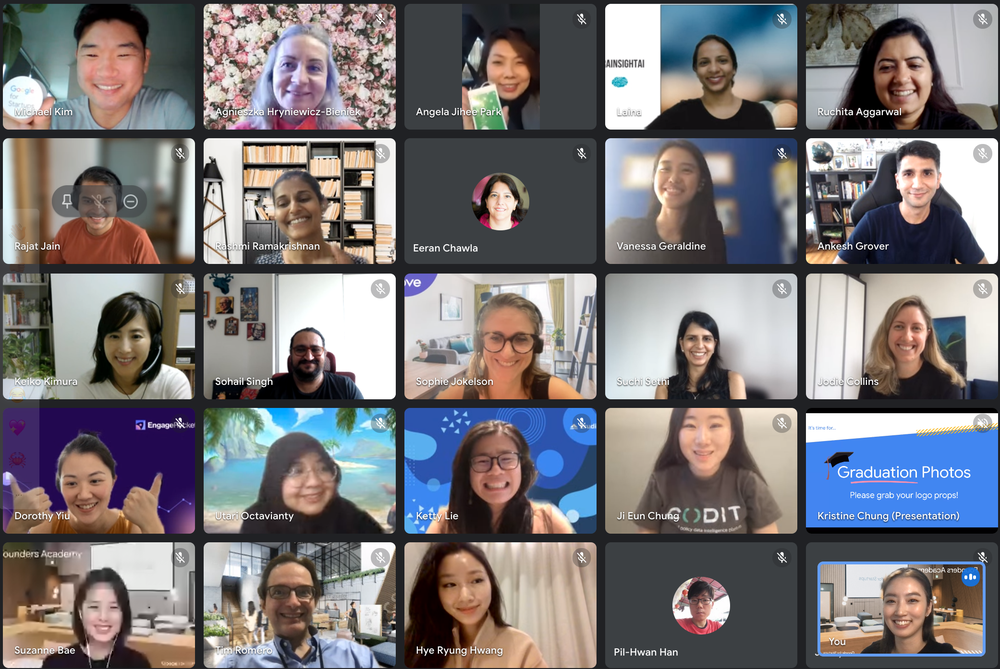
(701, 597)
(308, 380)
(288, 590)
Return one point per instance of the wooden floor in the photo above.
(816, 257)
(588, 389)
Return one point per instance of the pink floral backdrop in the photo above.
(237, 39)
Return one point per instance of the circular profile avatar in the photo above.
(701, 605)
(500, 201)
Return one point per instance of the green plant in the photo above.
(30, 307)
(368, 572)
(12, 37)
(19, 355)
(213, 616)
(216, 630)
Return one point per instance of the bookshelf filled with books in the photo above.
(833, 193)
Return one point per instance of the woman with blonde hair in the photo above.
(905, 360)
(504, 363)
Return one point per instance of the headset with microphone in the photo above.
(156, 335)
(102, 175)
(539, 342)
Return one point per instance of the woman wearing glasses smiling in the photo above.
(491, 475)
(299, 493)
(504, 363)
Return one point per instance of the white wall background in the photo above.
(758, 333)
(636, 437)
(226, 356)
(835, 307)
(967, 57)
(229, 157)
(77, 300)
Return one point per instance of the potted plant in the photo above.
(19, 356)
(559, 338)
(213, 620)
(34, 312)
(584, 319)
(216, 636)
(423, 349)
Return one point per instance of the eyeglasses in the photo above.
(520, 342)
(317, 351)
(304, 592)
(704, 601)
(298, 473)
(484, 463)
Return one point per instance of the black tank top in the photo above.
(717, 392)
(539, 389)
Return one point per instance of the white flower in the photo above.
(209, 22)
(253, 32)
(270, 25)
(240, 34)
(252, 60)
(227, 83)
(215, 94)
(363, 93)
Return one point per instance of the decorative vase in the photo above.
(423, 355)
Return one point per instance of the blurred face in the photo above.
(507, 364)
(677, 178)
(297, 210)
(127, 349)
(300, 74)
(102, 619)
(501, 202)
(705, 438)
(86, 484)
(308, 354)
(714, 67)
(289, 618)
(698, 345)
(308, 485)
(908, 335)
(110, 64)
(917, 180)
(497, 486)
(507, 70)
(701, 608)
(464, 588)
(904, 607)
(98, 206)
(903, 75)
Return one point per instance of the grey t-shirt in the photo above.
(152, 109)
(734, 501)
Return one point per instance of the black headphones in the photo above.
(539, 342)
(157, 336)
(102, 175)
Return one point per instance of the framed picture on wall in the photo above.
(868, 160)
(204, 305)
(224, 305)
(255, 332)
(451, 308)
(248, 304)
(232, 326)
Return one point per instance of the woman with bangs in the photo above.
(510, 63)
(905, 361)
(908, 616)
(299, 88)
(491, 475)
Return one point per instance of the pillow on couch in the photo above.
(463, 345)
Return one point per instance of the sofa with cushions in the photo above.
(455, 349)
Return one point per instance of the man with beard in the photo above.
(308, 380)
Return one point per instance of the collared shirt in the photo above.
(278, 652)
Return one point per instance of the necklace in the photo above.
(122, 391)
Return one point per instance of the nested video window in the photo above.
(701, 67)
(900, 67)
(100, 67)
(299, 67)
(99, 201)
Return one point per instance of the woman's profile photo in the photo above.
(510, 62)
(701, 605)
(698, 355)
(500, 201)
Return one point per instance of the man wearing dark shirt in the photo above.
(308, 380)
(915, 230)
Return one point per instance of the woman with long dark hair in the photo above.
(706, 481)
(102, 622)
(682, 225)
(299, 493)
(700, 375)
(500, 204)
(491, 475)
(898, 82)
(455, 605)
(511, 63)
(908, 616)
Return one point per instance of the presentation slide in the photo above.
(98, 201)
(546, 460)
(299, 336)
(906, 471)
(519, 201)
(857, 57)
(79, 471)
(928, 602)
(701, 201)
(76, 603)
(501, 86)
(300, 471)
(698, 67)
(901, 200)
(318, 200)
(720, 591)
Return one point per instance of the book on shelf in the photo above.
(366, 252)
(359, 158)
(255, 178)
(847, 216)
(330, 187)
(325, 227)
(366, 179)
(836, 216)
(274, 153)
(22, 277)
(332, 212)
(325, 166)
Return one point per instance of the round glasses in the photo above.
(704, 601)
(298, 473)
(484, 463)
(303, 592)
(317, 351)
(520, 342)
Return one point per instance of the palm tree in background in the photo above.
(215, 425)
(347, 419)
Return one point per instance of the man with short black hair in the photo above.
(701, 598)
(308, 380)
(915, 230)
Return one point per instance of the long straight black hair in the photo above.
(701, 212)
(429, 625)
(715, 374)
(888, 642)
(738, 457)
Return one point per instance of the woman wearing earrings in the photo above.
(102, 622)
(490, 479)
(908, 616)
(700, 374)
(682, 226)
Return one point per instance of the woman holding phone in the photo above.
(510, 63)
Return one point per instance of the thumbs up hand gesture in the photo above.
(34, 503)
(141, 507)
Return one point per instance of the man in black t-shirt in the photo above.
(308, 380)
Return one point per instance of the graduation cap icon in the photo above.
(836, 459)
